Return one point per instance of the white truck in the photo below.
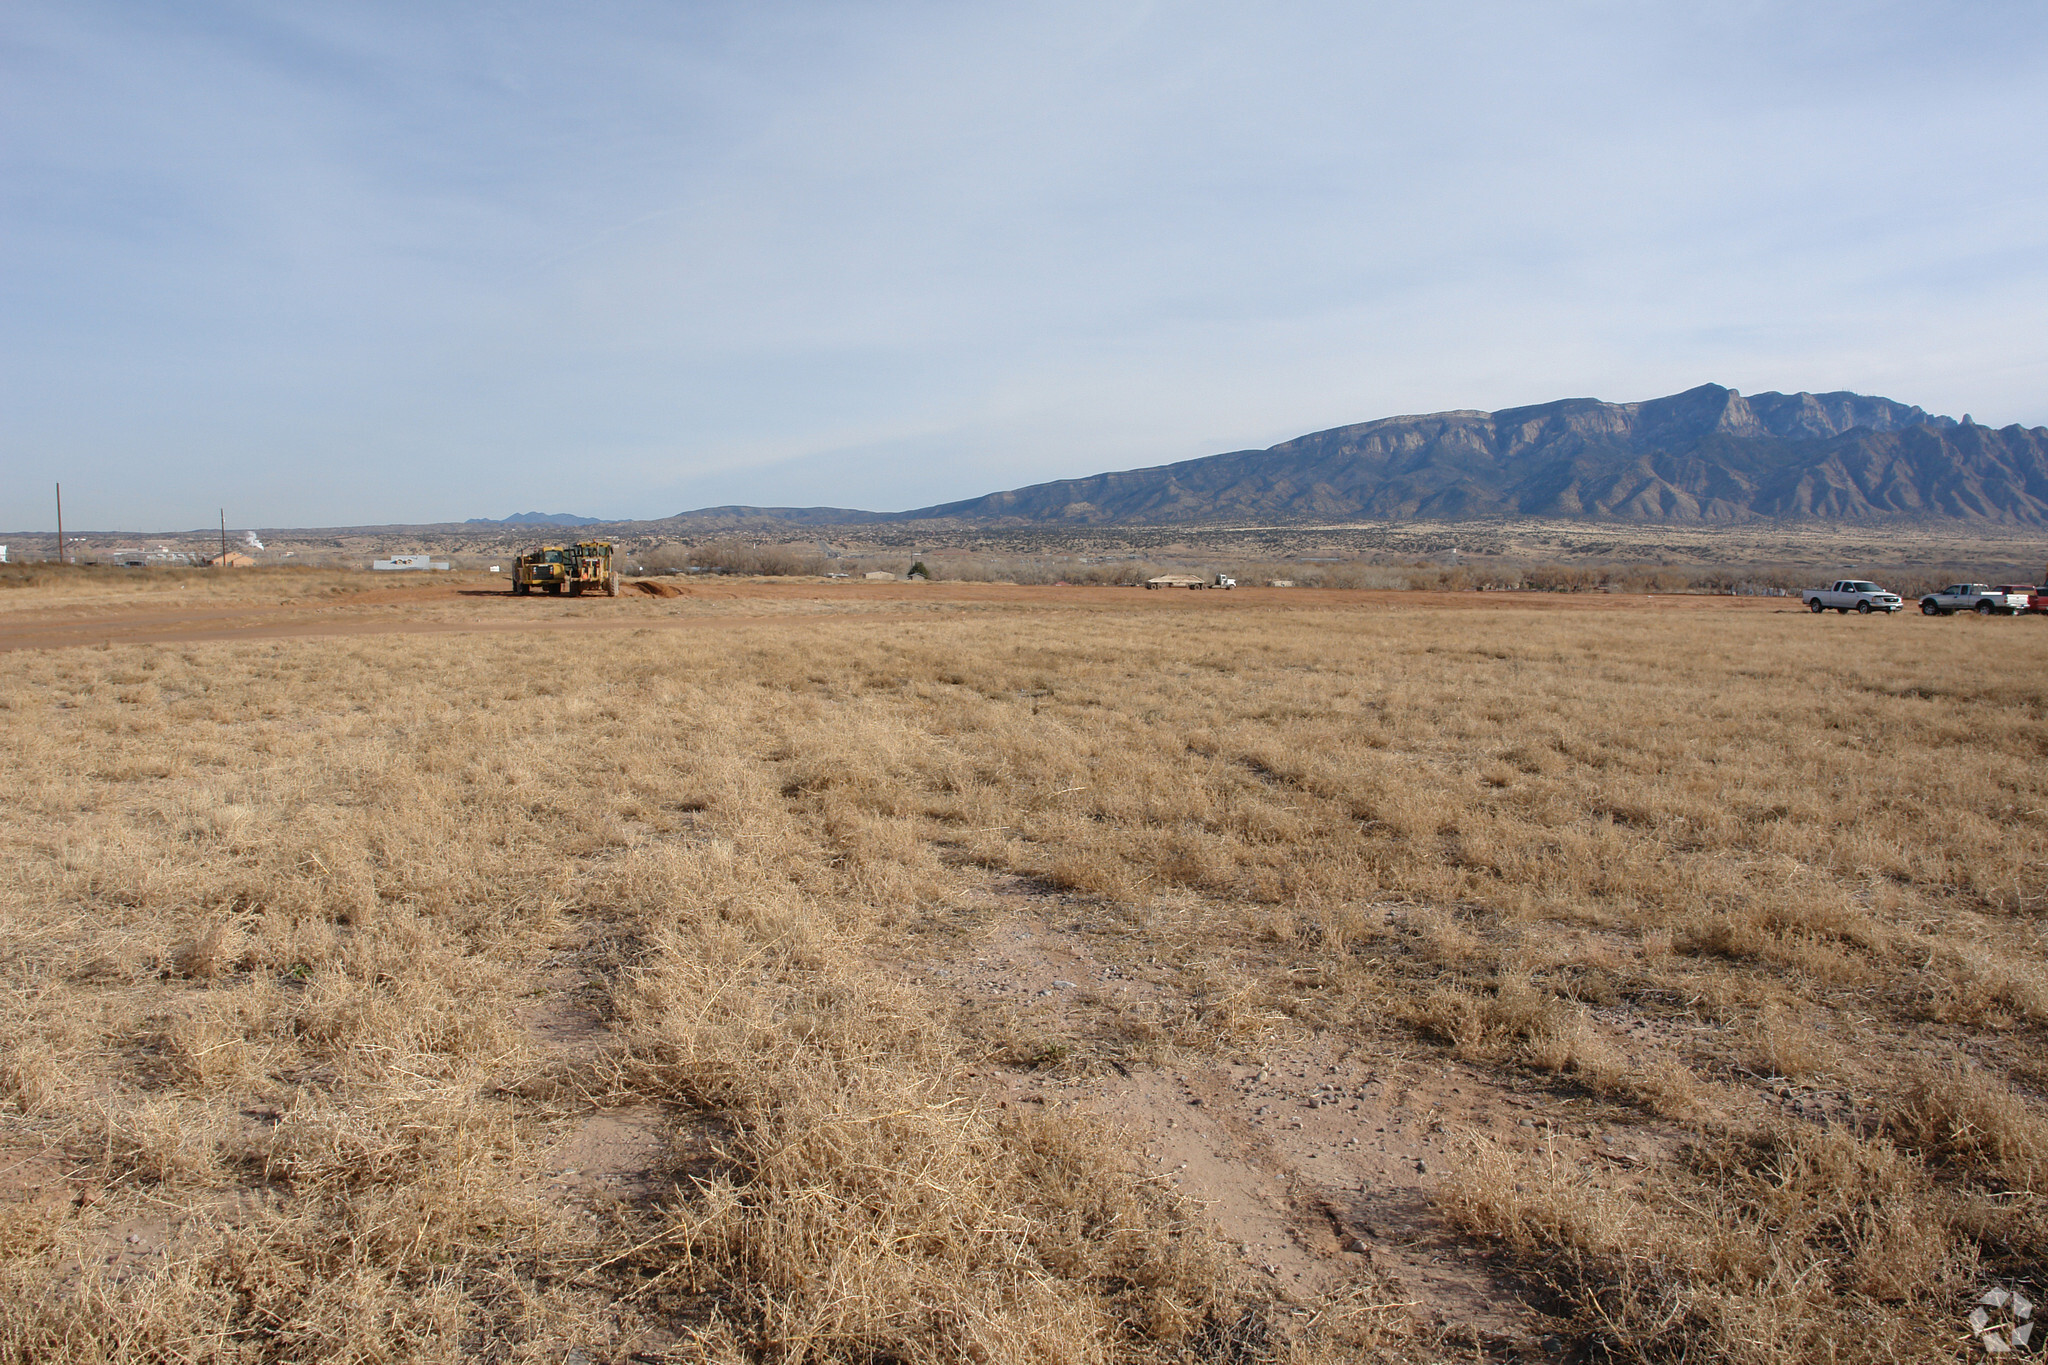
(1851, 594)
(1977, 597)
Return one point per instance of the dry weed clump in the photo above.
(859, 1205)
(1798, 1244)
(1956, 1116)
(860, 1210)
(283, 917)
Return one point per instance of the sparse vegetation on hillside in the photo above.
(321, 949)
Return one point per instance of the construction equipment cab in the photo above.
(583, 567)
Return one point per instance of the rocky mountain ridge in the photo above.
(1709, 454)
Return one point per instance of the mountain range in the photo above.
(537, 519)
(1709, 454)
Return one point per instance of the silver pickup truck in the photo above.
(1851, 594)
(1978, 597)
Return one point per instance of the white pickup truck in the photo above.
(1978, 597)
(1851, 594)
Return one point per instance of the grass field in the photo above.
(641, 993)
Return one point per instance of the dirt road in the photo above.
(454, 607)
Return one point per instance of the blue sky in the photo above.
(363, 263)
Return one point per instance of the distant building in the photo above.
(233, 559)
(879, 576)
(408, 564)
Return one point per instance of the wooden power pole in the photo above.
(223, 537)
(60, 523)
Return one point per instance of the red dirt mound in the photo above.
(657, 589)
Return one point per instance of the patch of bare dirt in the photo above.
(33, 1181)
(1320, 1162)
(610, 1157)
(565, 1015)
(1317, 1165)
(603, 1157)
(120, 1252)
(102, 1236)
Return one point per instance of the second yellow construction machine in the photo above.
(583, 567)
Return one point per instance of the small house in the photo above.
(232, 559)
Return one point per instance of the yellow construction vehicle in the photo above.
(583, 567)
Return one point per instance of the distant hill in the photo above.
(764, 518)
(537, 519)
(1706, 455)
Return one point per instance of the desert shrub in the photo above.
(734, 557)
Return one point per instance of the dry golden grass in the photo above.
(282, 917)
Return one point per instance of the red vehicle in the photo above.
(2034, 595)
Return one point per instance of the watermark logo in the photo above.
(2003, 1321)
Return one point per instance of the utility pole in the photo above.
(60, 523)
(223, 537)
